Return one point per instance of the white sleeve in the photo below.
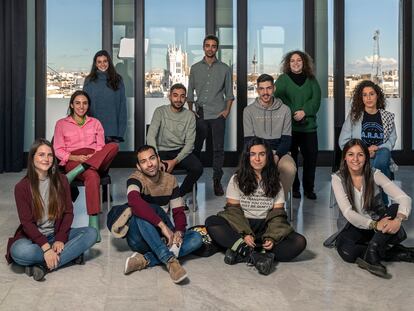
(356, 219)
(395, 192)
(233, 191)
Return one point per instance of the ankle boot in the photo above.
(263, 262)
(372, 261)
(400, 253)
(232, 257)
(94, 223)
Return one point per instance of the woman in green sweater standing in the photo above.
(298, 88)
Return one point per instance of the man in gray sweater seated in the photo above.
(269, 118)
(172, 132)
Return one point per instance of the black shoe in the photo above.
(296, 194)
(310, 195)
(400, 253)
(231, 257)
(39, 272)
(372, 262)
(218, 188)
(263, 262)
(80, 260)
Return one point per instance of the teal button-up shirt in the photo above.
(213, 86)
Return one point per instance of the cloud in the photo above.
(367, 61)
(364, 64)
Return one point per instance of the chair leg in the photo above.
(108, 190)
(290, 205)
(195, 207)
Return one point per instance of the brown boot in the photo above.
(218, 188)
(177, 272)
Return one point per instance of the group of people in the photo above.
(253, 226)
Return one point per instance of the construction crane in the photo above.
(376, 75)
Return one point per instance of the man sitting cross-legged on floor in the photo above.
(151, 235)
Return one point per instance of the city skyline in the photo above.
(81, 29)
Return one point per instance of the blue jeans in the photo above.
(145, 238)
(382, 160)
(26, 253)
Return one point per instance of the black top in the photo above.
(298, 78)
(372, 131)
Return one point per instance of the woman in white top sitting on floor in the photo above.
(373, 231)
(254, 227)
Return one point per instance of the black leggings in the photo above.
(225, 236)
(352, 242)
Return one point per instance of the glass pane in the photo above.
(226, 17)
(124, 60)
(374, 25)
(173, 43)
(272, 31)
(29, 129)
(74, 32)
(324, 72)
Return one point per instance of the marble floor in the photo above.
(317, 280)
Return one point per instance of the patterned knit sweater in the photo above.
(163, 191)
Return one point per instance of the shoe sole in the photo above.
(180, 279)
(371, 269)
(126, 263)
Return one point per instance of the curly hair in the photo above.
(308, 69)
(368, 178)
(113, 79)
(246, 177)
(358, 107)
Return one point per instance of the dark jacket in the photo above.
(277, 226)
(28, 227)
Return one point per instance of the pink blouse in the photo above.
(69, 136)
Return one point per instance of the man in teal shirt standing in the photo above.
(211, 80)
(172, 133)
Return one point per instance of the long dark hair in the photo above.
(307, 63)
(368, 178)
(113, 78)
(358, 106)
(56, 190)
(246, 177)
(72, 99)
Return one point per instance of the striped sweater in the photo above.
(143, 191)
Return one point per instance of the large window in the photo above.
(74, 32)
(275, 27)
(226, 25)
(124, 60)
(372, 50)
(324, 72)
(174, 32)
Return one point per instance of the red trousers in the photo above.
(99, 162)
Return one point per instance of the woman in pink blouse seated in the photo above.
(79, 143)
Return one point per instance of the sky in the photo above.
(275, 27)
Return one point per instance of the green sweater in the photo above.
(306, 97)
(172, 131)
